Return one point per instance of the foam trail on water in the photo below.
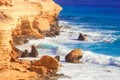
(93, 34)
(89, 56)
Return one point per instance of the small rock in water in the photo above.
(82, 37)
(57, 57)
(25, 54)
(34, 52)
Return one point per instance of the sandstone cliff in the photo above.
(5, 37)
(32, 18)
(35, 18)
(25, 19)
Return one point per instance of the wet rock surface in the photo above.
(74, 56)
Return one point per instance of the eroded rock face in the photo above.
(31, 18)
(74, 56)
(27, 19)
(36, 18)
(15, 53)
(5, 48)
(50, 63)
(5, 37)
(6, 2)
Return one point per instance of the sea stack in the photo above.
(34, 52)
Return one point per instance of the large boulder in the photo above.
(34, 52)
(74, 56)
(82, 37)
(50, 63)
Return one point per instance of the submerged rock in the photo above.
(74, 56)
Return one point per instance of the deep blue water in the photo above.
(101, 15)
(97, 3)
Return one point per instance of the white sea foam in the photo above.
(100, 59)
(87, 71)
(63, 23)
(51, 48)
(91, 57)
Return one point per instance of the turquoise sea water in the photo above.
(102, 20)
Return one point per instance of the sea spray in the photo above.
(100, 59)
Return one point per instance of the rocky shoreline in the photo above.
(21, 20)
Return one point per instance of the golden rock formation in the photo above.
(6, 2)
(25, 19)
(5, 48)
(74, 56)
(34, 18)
(50, 63)
(5, 37)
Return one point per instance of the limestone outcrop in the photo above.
(20, 20)
(74, 56)
(5, 37)
(5, 48)
(35, 18)
(6, 2)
